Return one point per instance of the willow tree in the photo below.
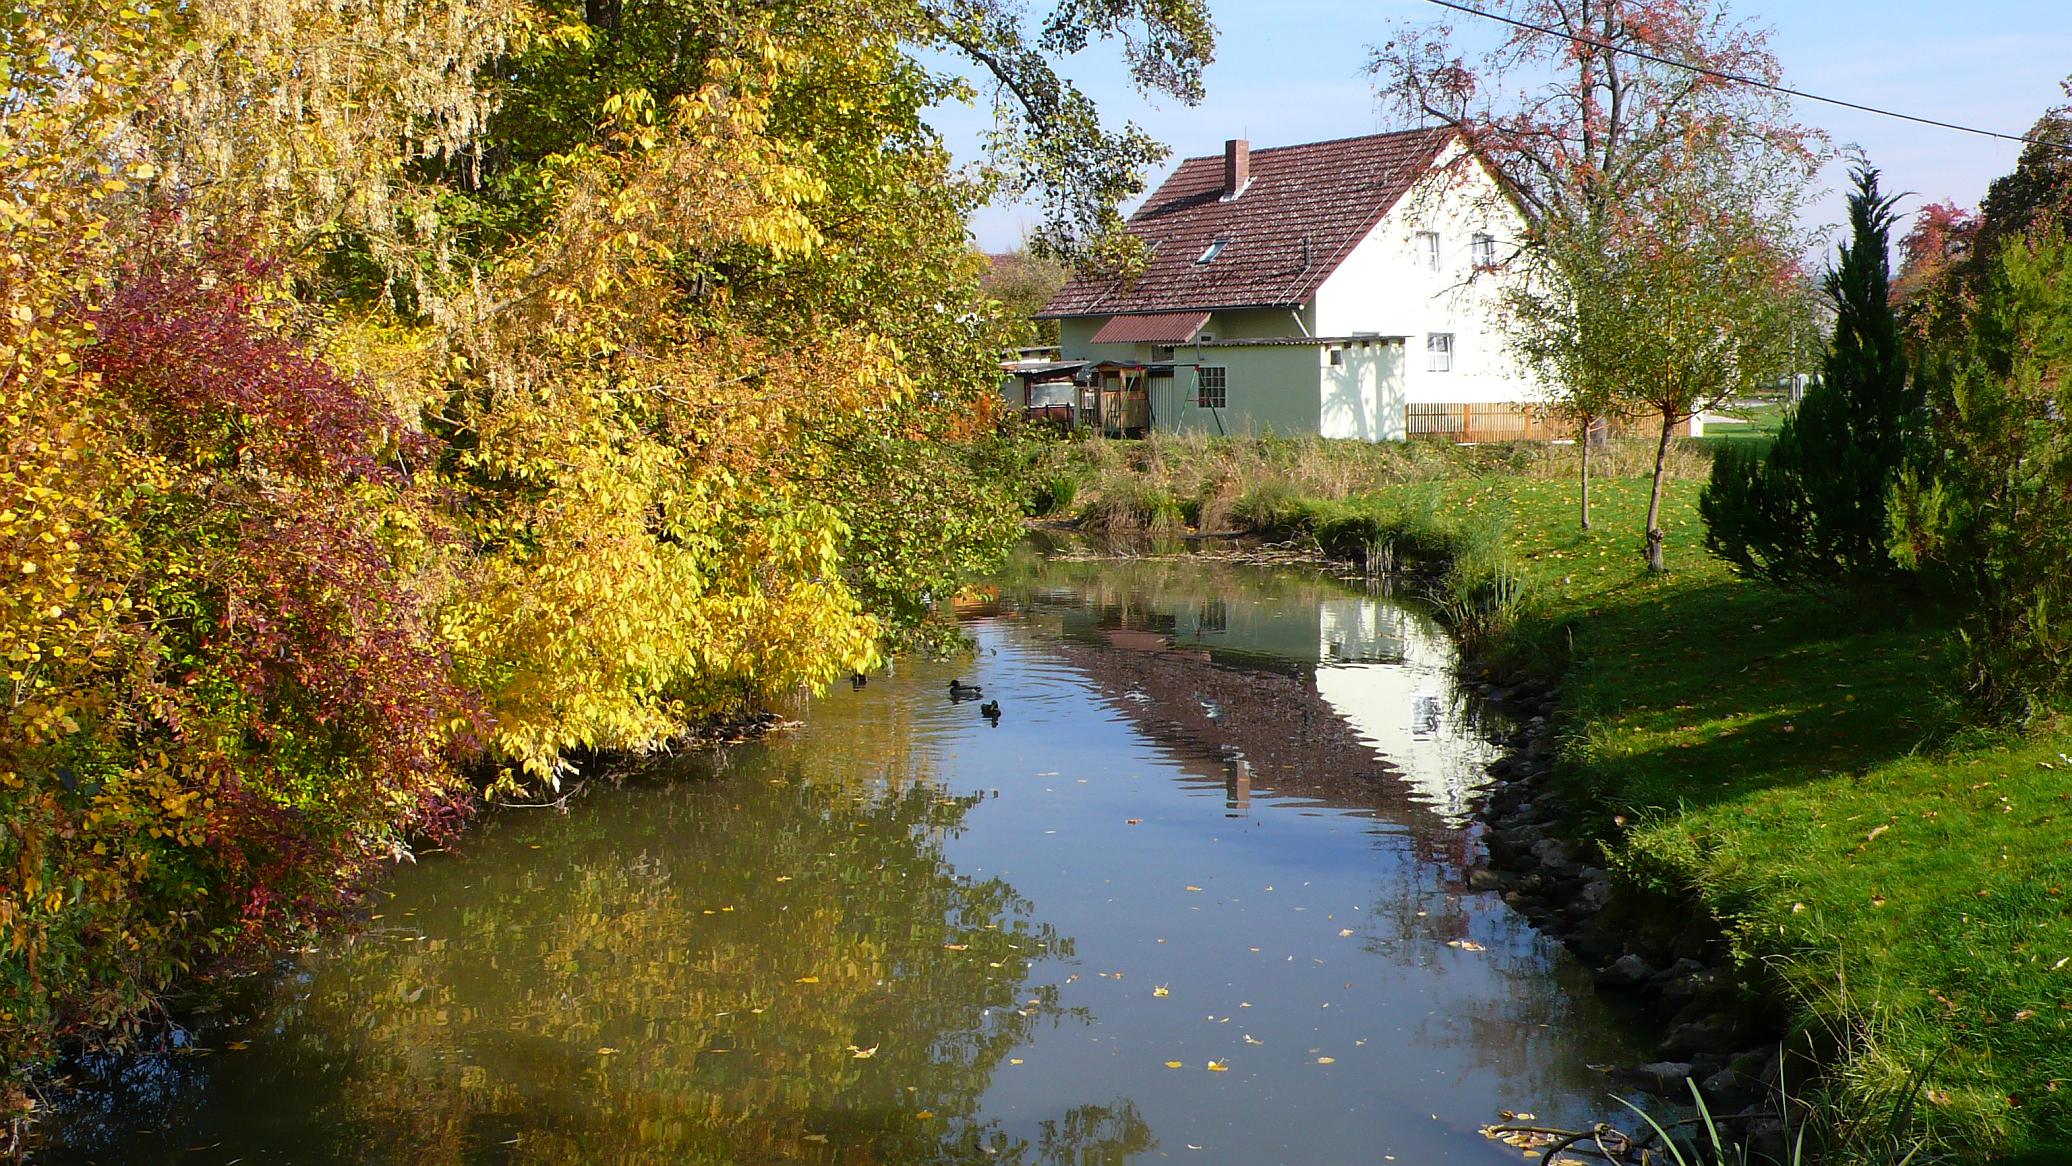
(1588, 110)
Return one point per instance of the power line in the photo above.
(1736, 78)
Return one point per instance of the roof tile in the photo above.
(1305, 209)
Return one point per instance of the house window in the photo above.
(1428, 249)
(1439, 352)
(1485, 250)
(1210, 391)
(1214, 249)
(1337, 358)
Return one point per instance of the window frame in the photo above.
(1428, 241)
(1439, 351)
(1482, 247)
(1202, 386)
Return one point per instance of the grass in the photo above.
(1790, 763)
(1760, 420)
(1786, 761)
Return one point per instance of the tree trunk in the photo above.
(1655, 566)
(1584, 441)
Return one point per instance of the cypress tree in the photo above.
(1812, 511)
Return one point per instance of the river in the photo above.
(1197, 895)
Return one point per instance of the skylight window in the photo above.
(1214, 249)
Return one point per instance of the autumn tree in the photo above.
(396, 385)
(1597, 114)
(1023, 282)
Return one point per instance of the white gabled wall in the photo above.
(1385, 286)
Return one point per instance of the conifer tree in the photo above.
(1812, 511)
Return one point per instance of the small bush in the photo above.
(1054, 493)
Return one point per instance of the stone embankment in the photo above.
(1720, 1029)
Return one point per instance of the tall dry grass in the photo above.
(1168, 482)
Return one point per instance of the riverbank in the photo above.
(1787, 766)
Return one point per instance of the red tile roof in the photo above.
(1166, 328)
(1305, 209)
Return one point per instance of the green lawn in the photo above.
(1793, 764)
(1761, 419)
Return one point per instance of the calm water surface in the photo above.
(1219, 823)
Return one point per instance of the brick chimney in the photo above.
(1237, 166)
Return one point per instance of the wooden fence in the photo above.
(1482, 422)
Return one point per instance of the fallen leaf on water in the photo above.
(924, 1114)
(236, 1045)
(1161, 990)
(1465, 945)
(1344, 931)
(1194, 888)
(1073, 978)
(1133, 821)
(956, 947)
(606, 1051)
(1172, 1064)
(1327, 1060)
(807, 980)
(1218, 1067)
(863, 1054)
(1014, 1060)
(1252, 1040)
(814, 1138)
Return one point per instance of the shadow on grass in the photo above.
(1706, 692)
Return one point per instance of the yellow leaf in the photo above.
(1172, 1064)
(1218, 1067)
(807, 980)
(1161, 990)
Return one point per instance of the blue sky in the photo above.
(1292, 72)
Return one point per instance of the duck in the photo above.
(990, 710)
(858, 680)
(962, 691)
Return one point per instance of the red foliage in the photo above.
(180, 340)
(299, 686)
(1943, 237)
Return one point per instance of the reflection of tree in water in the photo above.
(760, 969)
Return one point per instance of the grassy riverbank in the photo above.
(1786, 760)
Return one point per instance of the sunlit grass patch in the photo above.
(1791, 761)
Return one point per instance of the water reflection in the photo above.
(1216, 822)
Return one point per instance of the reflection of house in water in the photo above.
(1408, 711)
(1343, 698)
(1279, 636)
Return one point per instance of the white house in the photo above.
(1347, 288)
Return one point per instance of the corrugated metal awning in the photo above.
(1165, 328)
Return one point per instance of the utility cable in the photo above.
(1737, 78)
